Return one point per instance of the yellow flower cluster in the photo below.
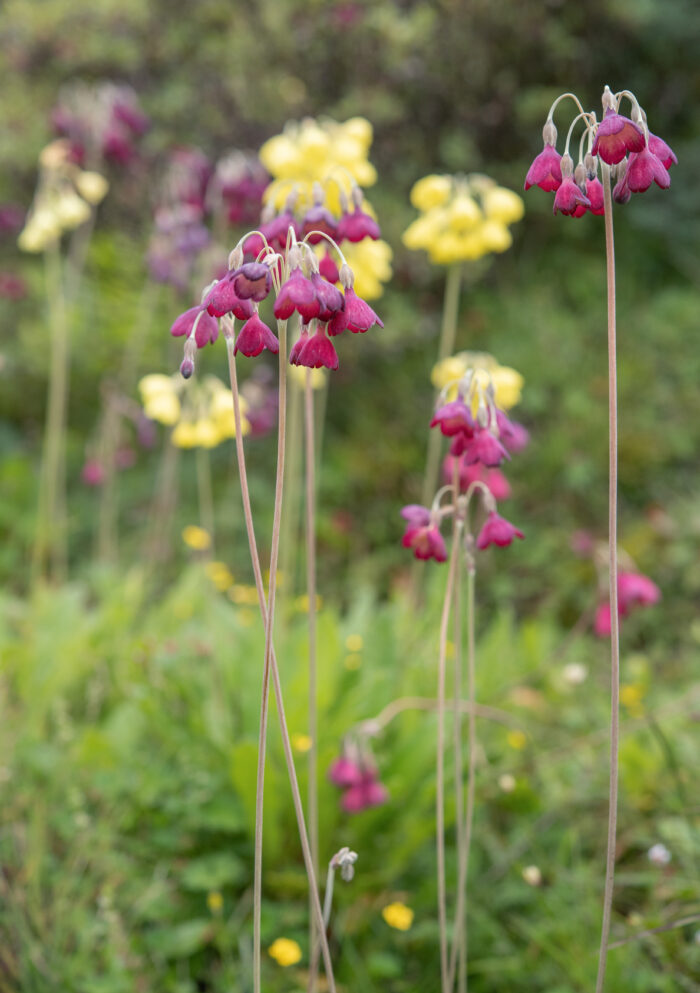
(285, 951)
(463, 218)
(200, 411)
(507, 382)
(398, 915)
(334, 155)
(63, 200)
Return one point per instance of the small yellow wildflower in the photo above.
(352, 662)
(200, 411)
(302, 742)
(354, 643)
(301, 603)
(196, 538)
(215, 902)
(398, 915)
(285, 951)
(631, 695)
(220, 575)
(517, 739)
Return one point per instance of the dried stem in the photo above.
(614, 621)
(440, 766)
(289, 759)
(310, 455)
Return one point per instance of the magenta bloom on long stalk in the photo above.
(416, 514)
(545, 171)
(297, 294)
(318, 352)
(345, 772)
(223, 299)
(454, 418)
(357, 317)
(357, 226)
(497, 531)
(594, 192)
(643, 169)
(206, 331)
(330, 299)
(663, 152)
(484, 447)
(514, 436)
(255, 336)
(318, 219)
(617, 135)
(426, 542)
(569, 198)
(252, 281)
(469, 473)
(633, 590)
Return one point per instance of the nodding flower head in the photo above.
(617, 135)
(497, 531)
(569, 196)
(633, 590)
(357, 315)
(328, 268)
(345, 772)
(364, 795)
(318, 352)
(545, 170)
(206, 328)
(223, 299)
(254, 336)
(494, 480)
(329, 297)
(356, 226)
(454, 418)
(252, 281)
(514, 435)
(276, 230)
(426, 541)
(483, 447)
(643, 169)
(318, 221)
(297, 294)
(663, 152)
(416, 514)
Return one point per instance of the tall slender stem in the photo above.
(310, 455)
(269, 626)
(448, 334)
(286, 743)
(440, 764)
(614, 622)
(204, 491)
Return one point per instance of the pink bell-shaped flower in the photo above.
(318, 352)
(254, 336)
(643, 169)
(297, 294)
(617, 135)
(454, 418)
(497, 531)
(426, 542)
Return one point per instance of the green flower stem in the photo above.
(614, 620)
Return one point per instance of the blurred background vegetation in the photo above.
(112, 668)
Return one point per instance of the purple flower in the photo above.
(568, 197)
(357, 226)
(616, 136)
(545, 171)
(318, 352)
(663, 152)
(357, 317)
(207, 330)
(485, 448)
(252, 281)
(426, 542)
(297, 293)
(416, 514)
(643, 169)
(223, 299)
(454, 418)
(497, 531)
(254, 336)
(318, 219)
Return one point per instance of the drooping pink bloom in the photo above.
(328, 268)
(330, 298)
(207, 329)
(344, 772)
(318, 219)
(426, 542)
(497, 531)
(545, 171)
(616, 136)
(514, 436)
(253, 245)
(357, 226)
(298, 346)
(357, 317)
(254, 336)
(644, 169)
(621, 192)
(416, 514)
(485, 448)
(297, 293)
(223, 299)
(569, 197)
(663, 152)
(454, 418)
(318, 352)
(493, 479)
(252, 281)
(635, 589)
(594, 192)
(364, 795)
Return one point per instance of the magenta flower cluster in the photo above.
(477, 448)
(357, 776)
(103, 121)
(633, 590)
(637, 158)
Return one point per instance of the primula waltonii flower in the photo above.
(254, 244)
(330, 299)
(617, 135)
(493, 479)
(416, 514)
(207, 327)
(633, 590)
(298, 346)
(643, 169)
(223, 299)
(497, 531)
(317, 221)
(356, 226)
(297, 293)
(252, 281)
(454, 418)
(344, 772)
(318, 352)
(545, 171)
(357, 317)
(328, 268)
(594, 192)
(663, 152)
(569, 197)
(277, 230)
(426, 542)
(485, 448)
(254, 336)
(621, 192)
(514, 435)
(364, 795)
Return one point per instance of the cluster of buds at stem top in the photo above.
(316, 223)
(292, 275)
(355, 773)
(479, 433)
(637, 158)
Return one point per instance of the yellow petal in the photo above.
(503, 205)
(431, 191)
